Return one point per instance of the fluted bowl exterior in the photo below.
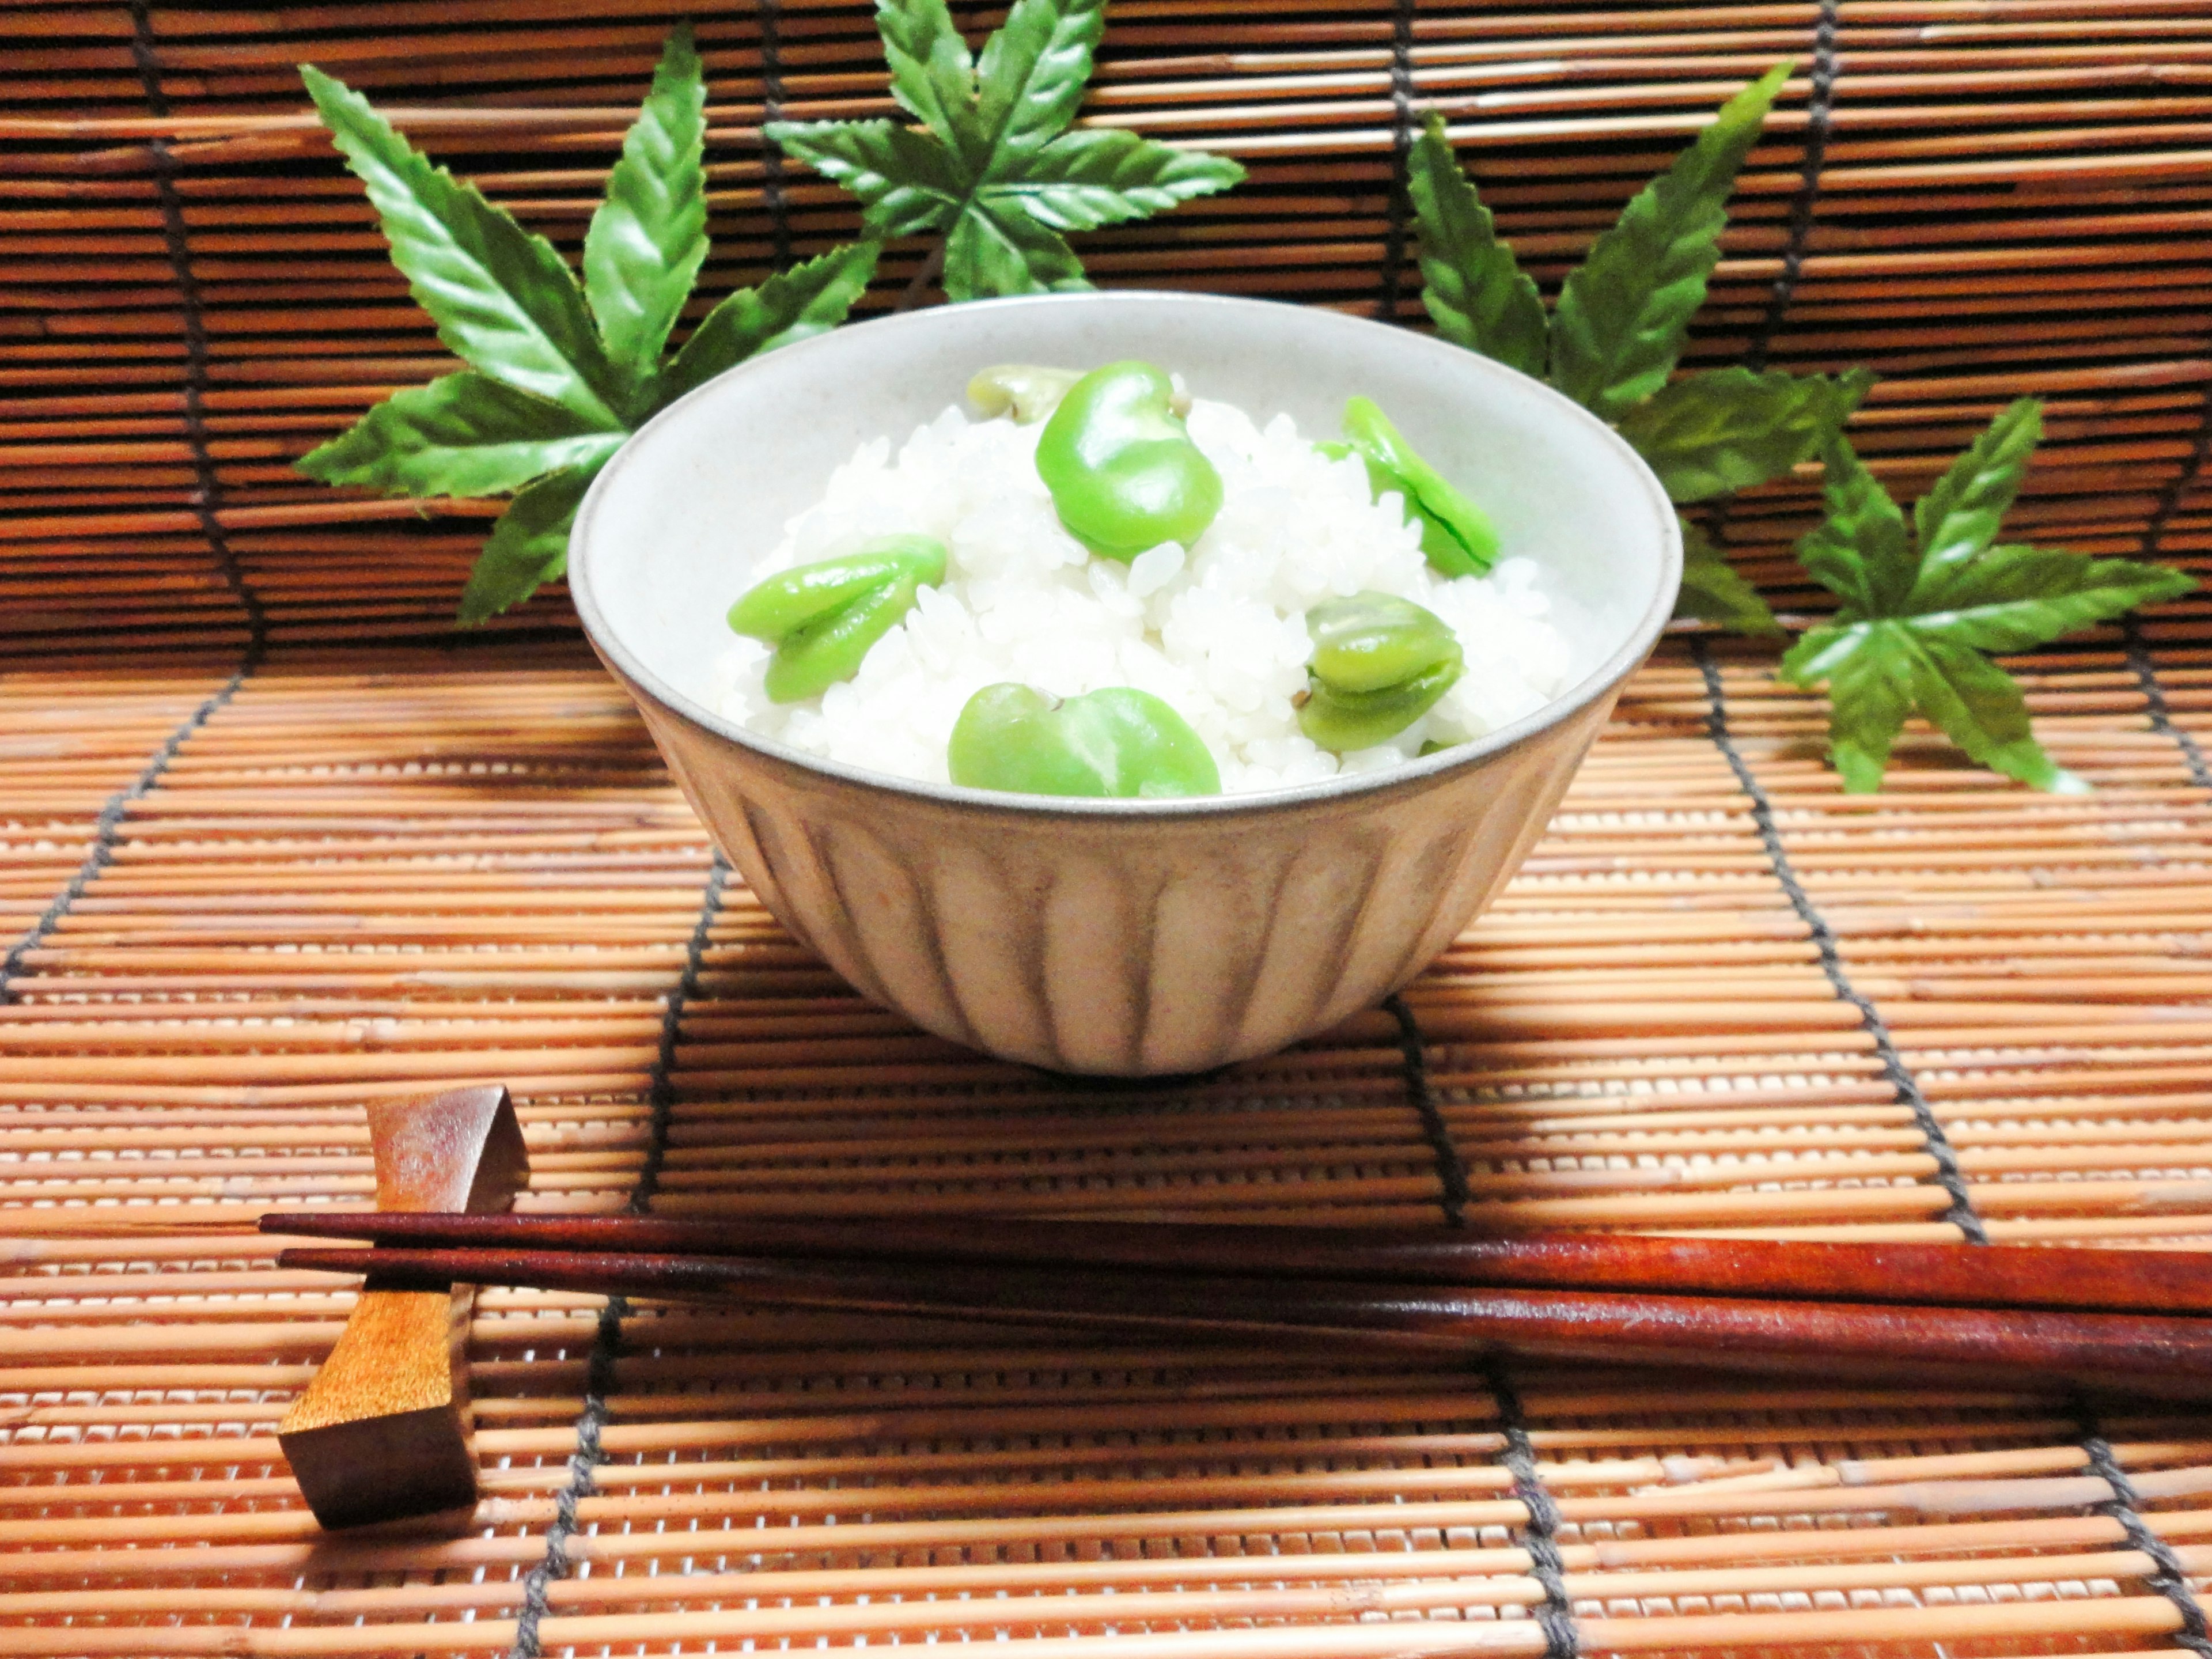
(1108, 945)
(1120, 938)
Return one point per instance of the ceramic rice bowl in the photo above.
(1114, 936)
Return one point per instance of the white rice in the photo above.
(1218, 633)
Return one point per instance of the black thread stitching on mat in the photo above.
(207, 498)
(2172, 1578)
(1557, 1616)
(772, 175)
(607, 1341)
(2154, 528)
(2161, 712)
(1961, 1212)
(2169, 499)
(107, 832)
(1804, 208)
(662, 1096)
(1402, 144)
(107, 828)
(1451, 1173)
(582, 1482)
(1805, 204)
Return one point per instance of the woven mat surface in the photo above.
(272, 846)
(1720, 996)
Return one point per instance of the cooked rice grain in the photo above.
(1219, 633)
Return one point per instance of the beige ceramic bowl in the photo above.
(1112, 936)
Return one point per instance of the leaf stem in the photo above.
(925, 274)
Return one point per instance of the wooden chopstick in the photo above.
(1991, 1276)
(2156, 1355)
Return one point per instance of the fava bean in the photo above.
(1122, 469)
(1027, 392)
(1456, 535)
(1379, 664)
(823, 617)
(1115, 742)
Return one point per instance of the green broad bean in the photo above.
(823, 617)
(1456, 535)
(1027, 392)
(1122, 469)
(1115, 742)
(1379, 664)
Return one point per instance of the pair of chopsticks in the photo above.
(2102, 1320)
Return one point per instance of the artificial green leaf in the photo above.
(1714, 591)
(1033, 72)
(1870, 685)
(2014, 597)
(1960, 516)
(1474, 287)
(1619, 330)
(903, 179)
(1619, 327)
(1858, 552)
(462, 435)
(648, 238)
(807, 300)
(1624, 312)
(993, 251)
(1820, 651)
(501, 297)
(529, 545)
(1104, 175)
(1730, 428)
(993, 167)
(548, 405)
(1915, 621)
(933, 76)
(1979, 708)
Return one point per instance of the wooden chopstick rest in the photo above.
(2107, 1321)
(382, 1430)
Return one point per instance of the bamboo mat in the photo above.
(271, 844)
(1974, 200)
(1720, 996)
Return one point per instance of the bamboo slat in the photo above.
(2005, 204)
(273, 843)
(162, 1083)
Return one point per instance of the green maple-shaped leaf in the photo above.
(994, 167)
(648, 238)
(1714, 591)
(560, 374)
(462, 435)
(1624, 312)
(1614, 341)
(807, 300)
(1473, 286)
(1728, 428)
(1960, 515)
(501, 296)
(1920, 609)
(529, 545)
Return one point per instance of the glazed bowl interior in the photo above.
(670, 533)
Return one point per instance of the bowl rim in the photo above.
(1598, 682)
